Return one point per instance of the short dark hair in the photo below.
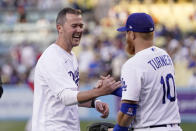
(61, 15)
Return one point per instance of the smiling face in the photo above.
(71, 31)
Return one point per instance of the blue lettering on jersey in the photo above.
(124, 86)
(160, 61)
(75, 76)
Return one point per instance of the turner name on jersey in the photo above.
(160, 61)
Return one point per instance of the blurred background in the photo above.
(27, 27)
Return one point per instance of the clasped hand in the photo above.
(107, 85)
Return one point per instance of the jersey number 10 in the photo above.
(169, 87)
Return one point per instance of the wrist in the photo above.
(93, 103)
(97, 100)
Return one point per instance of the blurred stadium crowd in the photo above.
(27, 27)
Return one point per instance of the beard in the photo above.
(130, 47)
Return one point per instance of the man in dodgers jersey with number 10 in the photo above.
(149, 101)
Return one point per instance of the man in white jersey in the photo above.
(149, 101)
(56, 81)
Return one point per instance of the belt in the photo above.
(164, 125)
(154, 126)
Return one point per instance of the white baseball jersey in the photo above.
(56, 71)
(149, 79)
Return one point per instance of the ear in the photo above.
(59, 28)
(133, 35)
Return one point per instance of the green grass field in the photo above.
(20, 125)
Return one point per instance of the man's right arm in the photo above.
(69, 97)
(108, 85)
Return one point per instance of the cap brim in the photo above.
(122, 29)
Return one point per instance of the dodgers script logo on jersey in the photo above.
(124, 86)
(75, 76)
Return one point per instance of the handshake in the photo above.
(107, 85)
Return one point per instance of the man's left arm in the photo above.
(100, 106)
(126, 115)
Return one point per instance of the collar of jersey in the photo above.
(144, 50)
(64, 52)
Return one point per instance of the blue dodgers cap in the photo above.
(138, 22)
